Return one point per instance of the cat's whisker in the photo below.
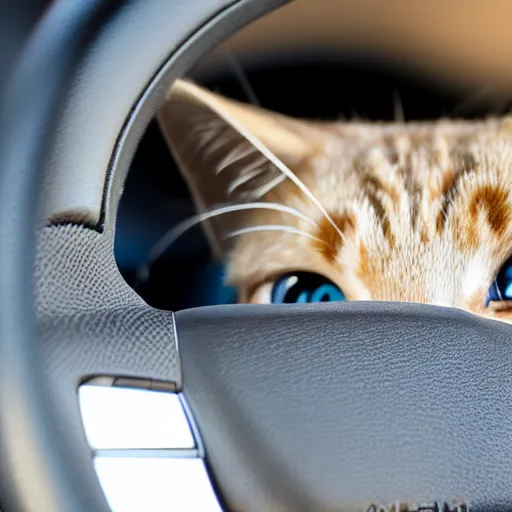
(242, 78)
(273, 227)
(283, 169)
(172, 235)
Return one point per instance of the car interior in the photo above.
(130, 377)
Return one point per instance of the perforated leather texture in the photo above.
(90, 320)
(91, 323)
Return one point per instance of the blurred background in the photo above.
(321, 59)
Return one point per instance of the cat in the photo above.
(306, 211)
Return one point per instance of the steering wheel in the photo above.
(108, 403)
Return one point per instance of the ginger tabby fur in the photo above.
(416, 212)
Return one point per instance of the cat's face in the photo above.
(398, 212)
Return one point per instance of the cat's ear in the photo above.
(227, 150)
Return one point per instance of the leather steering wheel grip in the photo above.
(83, 91)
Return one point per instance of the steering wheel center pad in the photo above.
(337, 406)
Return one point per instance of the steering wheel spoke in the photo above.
(116, 357)
(146, 452)
(89, 321)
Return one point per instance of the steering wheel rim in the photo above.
(91, 324)
(52, 59)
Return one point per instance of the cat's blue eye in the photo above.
(303, 287)
(501, 288)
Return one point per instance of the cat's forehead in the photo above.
(416, 159)
(420, 132)
(434, 141)
(397, 190)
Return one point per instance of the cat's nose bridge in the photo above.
(397, 290)
(415, 284)
(413, 270)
